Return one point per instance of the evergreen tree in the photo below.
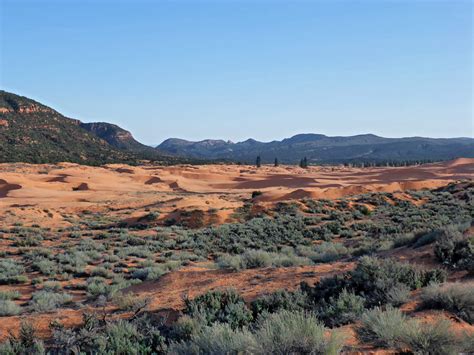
(276, 162)
(259, 162)
(304, 163)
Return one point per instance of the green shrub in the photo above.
(217, 339)
(288, 332)
(456, 298)
(397, 295)
(45, 266)
(346, 308)
(455, 249)
(392, 329)
(9, 295)
(252, 259)
(26, 342)
(219, 306)
(382, 328)
(430, 338)
(278, 301)
(45, 301)
(130, 301)
(11, 272)
(9, 308)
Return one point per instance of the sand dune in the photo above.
(70, 188)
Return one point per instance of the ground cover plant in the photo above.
(93, 266)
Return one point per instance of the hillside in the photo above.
(319, 148)
(34, 133)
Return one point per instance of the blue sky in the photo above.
(238, 69)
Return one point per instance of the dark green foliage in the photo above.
(258, 162)
(375, 280)
(344, 309)
(280, 300)
(138, 336)
(455, 249)
(26, 342)
(219, 306)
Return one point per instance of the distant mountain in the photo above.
(32, 132)
(319, 148)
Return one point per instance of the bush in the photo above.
(217, 339)
(455, 250)
(9, 295)
(456, 298)
(392, 329)
(219, 306)
(278, 301)
(45, 301)
(130, 302)
(288, 332)
(346, 308)
(430, 338)
(379, 281)
(253, 259)
(25, 343)
(382, 328)
(11, 272)
(327, 252)
(398, 294)
(377, 278)
(9, 308)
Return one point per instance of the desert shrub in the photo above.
(186, 327)
(102, 272)
(288, 332)
(455, 249)
(97, 286)
(9, 295)
(219, 306)
(154, 272)
(397, 295)
(130, 302)
(346, 308)
(9, 308)
(28, 240)
(26, 342)
(45, 301)
(11, 272)
(252, 259)
(392, 329)
(456, 298)
(217, 339)
(96, 336)
(324, 252)
(45, 266)
(124, 338)
(430, 338)
(278, 301)
(382, 328)
(53, 286)
(377, 280)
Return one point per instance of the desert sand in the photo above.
(48, 194)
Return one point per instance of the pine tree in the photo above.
(276, 162)
(259, 162)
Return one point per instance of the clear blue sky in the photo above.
(238, 69)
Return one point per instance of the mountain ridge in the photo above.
(320, 148)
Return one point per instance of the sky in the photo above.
(234, 70)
